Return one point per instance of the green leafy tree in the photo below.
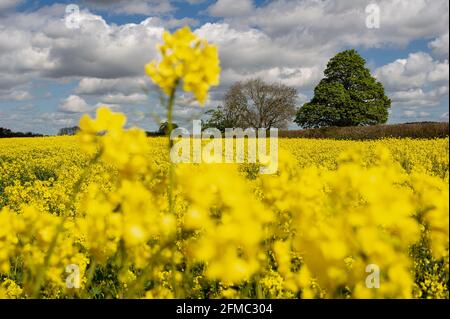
(348, 95)
(221, 118)
(69, 130)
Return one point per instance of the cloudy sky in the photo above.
(54, 68)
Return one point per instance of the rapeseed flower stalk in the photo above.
(187, 59)
(195, 63)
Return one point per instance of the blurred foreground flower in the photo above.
(126, 149)
(188, 58)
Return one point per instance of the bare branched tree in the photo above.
(257, 104)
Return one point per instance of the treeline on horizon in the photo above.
(74, 130)
(405, 130)
(4, 132)
(66, 131)
(410, 130)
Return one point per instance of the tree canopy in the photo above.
(348, 95)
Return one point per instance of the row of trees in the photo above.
(5, 132)
(162, 130)
(348, 95)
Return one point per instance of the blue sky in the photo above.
(50, 74)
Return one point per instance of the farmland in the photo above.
(308, 231)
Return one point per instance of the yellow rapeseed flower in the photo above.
(190, 59)
(309, 231)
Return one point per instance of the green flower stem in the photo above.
(171, 171)
(90, 277)
(170, 144)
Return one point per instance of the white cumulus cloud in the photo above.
(440, 46)
(73, 104)
(417, 70)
